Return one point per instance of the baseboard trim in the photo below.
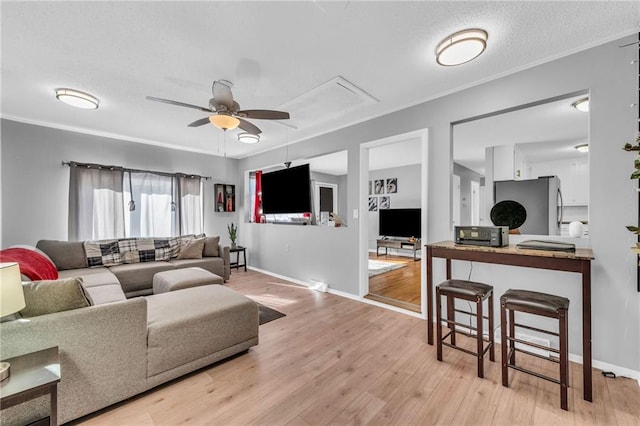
(600, 365)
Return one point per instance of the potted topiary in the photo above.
(233, 234)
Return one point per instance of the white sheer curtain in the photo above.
(191, 204)
(111, 202)
(152, 195)
(96, 207)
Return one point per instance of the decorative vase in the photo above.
(234, 245)
(576, 229)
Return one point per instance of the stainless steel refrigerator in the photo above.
(541, 198)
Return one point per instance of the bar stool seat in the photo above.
(536, 303)
(473, 292)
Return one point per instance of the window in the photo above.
(109, 202)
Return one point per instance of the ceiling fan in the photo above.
(226, 113)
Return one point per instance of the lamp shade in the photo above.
(11, 295)
(224, 121)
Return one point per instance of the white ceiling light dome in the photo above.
(245, 137)
(461, 47)
(77, 98)
(581, 104)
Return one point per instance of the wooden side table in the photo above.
(32, 375)
(237, 251)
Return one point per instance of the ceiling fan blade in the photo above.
(249, 127)
(264, 114)
(182, 104)
(200, 122)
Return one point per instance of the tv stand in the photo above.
(398, 243)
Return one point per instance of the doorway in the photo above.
(393, 180)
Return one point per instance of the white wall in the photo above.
(35, 185)
(408, 195)
(605, 71)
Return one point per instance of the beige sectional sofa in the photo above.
(118, 347)
(134, 276)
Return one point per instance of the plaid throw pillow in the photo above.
(102, 253)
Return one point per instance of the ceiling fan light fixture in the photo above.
(77, 98)
(224, 121)
(245, 137)
(583, 147)
(581, 104)
(461, 47)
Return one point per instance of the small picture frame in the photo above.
(378, 186)
(373, 204)
(392, 185)
(385, 203)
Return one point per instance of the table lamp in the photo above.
(11, 299)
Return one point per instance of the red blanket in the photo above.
(32, 264)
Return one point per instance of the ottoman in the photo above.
(177, 279)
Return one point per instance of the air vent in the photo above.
(328, 100)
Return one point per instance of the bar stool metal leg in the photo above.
(504, 345)
(564, 358)
(479, 337)
(439, 324)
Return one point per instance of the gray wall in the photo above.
(604, 70)
(341, 181)
(466, 176)
(35, 186)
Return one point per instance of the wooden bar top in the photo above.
(579, 254)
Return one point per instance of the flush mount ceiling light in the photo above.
(461, 47)
(581, 104)
(248, 138)
(224, 121)
(77, 98)
(583, 147)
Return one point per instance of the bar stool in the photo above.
(472, 292)
(535, 303)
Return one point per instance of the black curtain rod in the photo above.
(124, 169)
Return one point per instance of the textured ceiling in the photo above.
(273, 52)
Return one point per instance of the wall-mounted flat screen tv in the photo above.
(287, 191)
(403, 223)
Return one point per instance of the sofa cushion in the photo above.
(192, 249)
(189, 324)
(50, 296)
(138, 276)
(102, 253)
(100, 285)
(215, 265)
(211, 247)
(64, 254)
(33, 265)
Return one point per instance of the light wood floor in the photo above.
(333, 360)
(399, 287)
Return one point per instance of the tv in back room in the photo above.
(287, 191)
(403, 223)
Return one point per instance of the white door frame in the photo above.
(316, 194)
(363, 246)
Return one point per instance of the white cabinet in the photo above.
(578, 191)
(574, 178)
